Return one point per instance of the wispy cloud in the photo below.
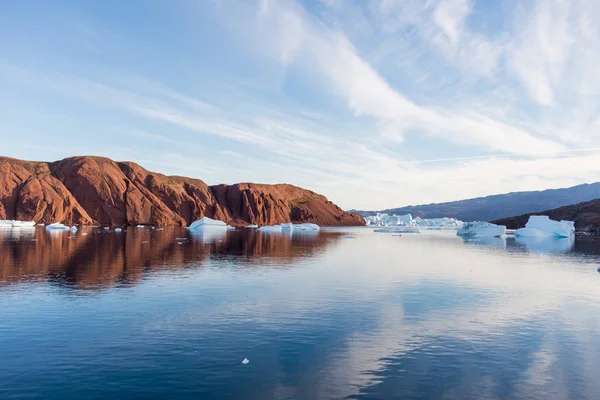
(376, 104)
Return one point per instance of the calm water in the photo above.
(340, 314)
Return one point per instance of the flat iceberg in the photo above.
(57, 226)
(543, 226)
(480, 229)
(252, 227)
(206, 222)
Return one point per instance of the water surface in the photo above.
(344, 313)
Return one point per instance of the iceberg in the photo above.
(383, 219)
(21, 224)
(543, 226)
(8, 223)
(118, 229)
(480, 229)
(398, 229)
(57, 226)
(270, 228)
(252, 227)
(307, 227)
(287, 226)
(206, 222)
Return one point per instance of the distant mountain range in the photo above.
(502, 205)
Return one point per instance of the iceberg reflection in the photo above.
(546, 244)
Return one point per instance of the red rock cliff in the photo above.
(85, 190)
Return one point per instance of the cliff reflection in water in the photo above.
(94, 259)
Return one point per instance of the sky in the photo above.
(373, 103)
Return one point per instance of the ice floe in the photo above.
(251, 227)
(543, 226)
(480, 229)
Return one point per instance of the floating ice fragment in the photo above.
(245, 361)
(73, 228)
(118, 229)
(287, 226)
(252, 226)
(140, 226)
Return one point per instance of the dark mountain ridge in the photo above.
(499, 206)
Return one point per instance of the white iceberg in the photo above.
(245, 361)
(543, 226)
(8, 223)
(287, 226)
(20, 224)
(270, 228)
(251, 227)
(398, 229)
(307, 227)
(73, 228)
(118, 229)
(57, 226)
(140, 226)
(383, 219)
(230, 228)
(480, 229)
(206, 222)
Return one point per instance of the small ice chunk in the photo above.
(118, 229)
(480, 229)
(245, 361)
(73, 228)
(230, 228)
(141, 226)
(252, 226)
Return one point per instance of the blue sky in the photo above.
(374, 103)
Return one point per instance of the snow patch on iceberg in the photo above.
(480, 229)
(543, 226)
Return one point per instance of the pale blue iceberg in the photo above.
(480, 229)
(542, 226)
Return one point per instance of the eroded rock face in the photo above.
(86, 190)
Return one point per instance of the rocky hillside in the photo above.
(585, 215)
(97, 190)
